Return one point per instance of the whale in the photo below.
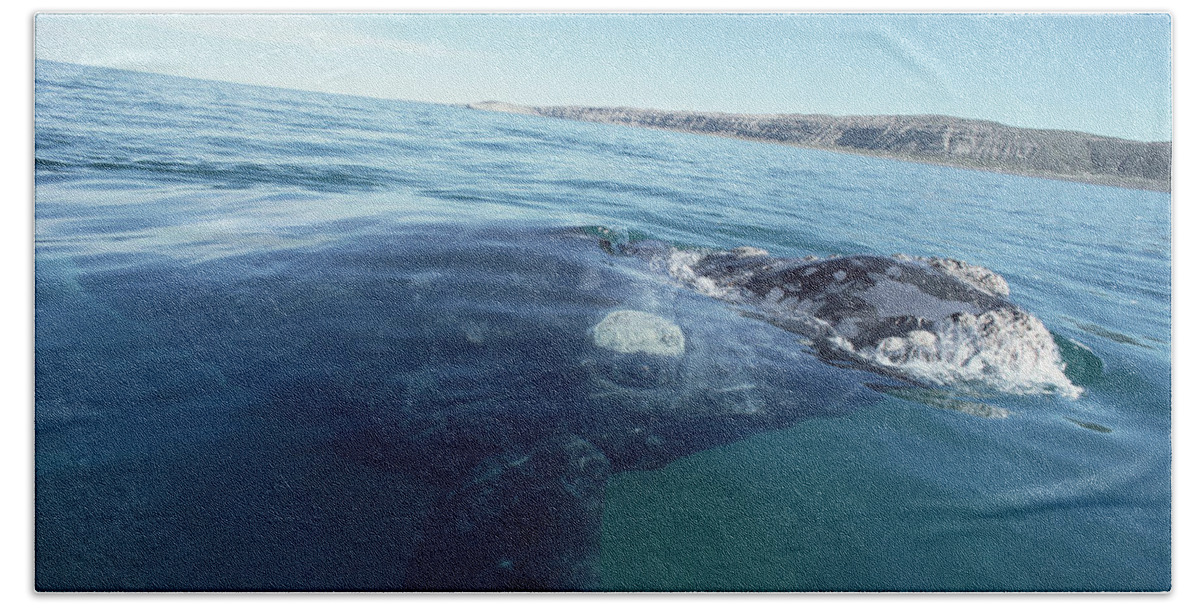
(508, 373)
(750, 343)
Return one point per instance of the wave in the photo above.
(332, 178)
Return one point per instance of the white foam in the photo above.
(680, 266)
(1005, 350)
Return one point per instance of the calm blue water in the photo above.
(247, 298)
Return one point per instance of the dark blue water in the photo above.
(274, 328)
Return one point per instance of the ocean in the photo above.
(297, 341)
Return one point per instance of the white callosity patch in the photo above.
(636, 332)
(1005, 350)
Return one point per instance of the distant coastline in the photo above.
(942, 140)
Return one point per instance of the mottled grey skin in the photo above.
(864, 298)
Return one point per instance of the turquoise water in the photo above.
(248, 297)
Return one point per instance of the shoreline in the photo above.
(933, 140)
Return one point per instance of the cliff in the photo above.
(945, 140)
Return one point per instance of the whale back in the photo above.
(865, 298)
(931, 321)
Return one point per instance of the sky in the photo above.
(1108, 74)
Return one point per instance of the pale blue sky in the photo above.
(1101, 73)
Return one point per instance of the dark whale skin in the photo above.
(882, 296)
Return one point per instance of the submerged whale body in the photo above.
(656, 389)
(658, 373)
(510, 373)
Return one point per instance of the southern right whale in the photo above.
(508, 373)
(664, 382)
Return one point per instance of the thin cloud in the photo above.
(316, 33)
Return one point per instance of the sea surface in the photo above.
(237, 287)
